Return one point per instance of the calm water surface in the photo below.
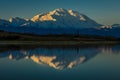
(60, 63)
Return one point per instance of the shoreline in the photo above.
(61, 43)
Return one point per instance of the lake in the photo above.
(34, 62)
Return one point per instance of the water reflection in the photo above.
(58, 58)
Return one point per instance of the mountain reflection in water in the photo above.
(57, 57)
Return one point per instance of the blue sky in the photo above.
(103, 11)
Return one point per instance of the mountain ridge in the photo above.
(59, 21)
(58, 18)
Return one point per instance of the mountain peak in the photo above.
(4, 22)
(16, 21)
(50, 15)
(65, 18)
(116, 25)
(58, 18)
(61, 10)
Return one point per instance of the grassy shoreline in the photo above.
(19, 38)
(59, 42)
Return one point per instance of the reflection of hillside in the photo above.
(59, 58)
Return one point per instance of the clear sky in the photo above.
(103, 11)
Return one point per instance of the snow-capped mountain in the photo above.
(62, 18)
(17, 21)
(4, 22)
(110, 26)
(59, 18)
(59, 21)
(116, 25)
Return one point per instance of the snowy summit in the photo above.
(58, 18)
(64, 18)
